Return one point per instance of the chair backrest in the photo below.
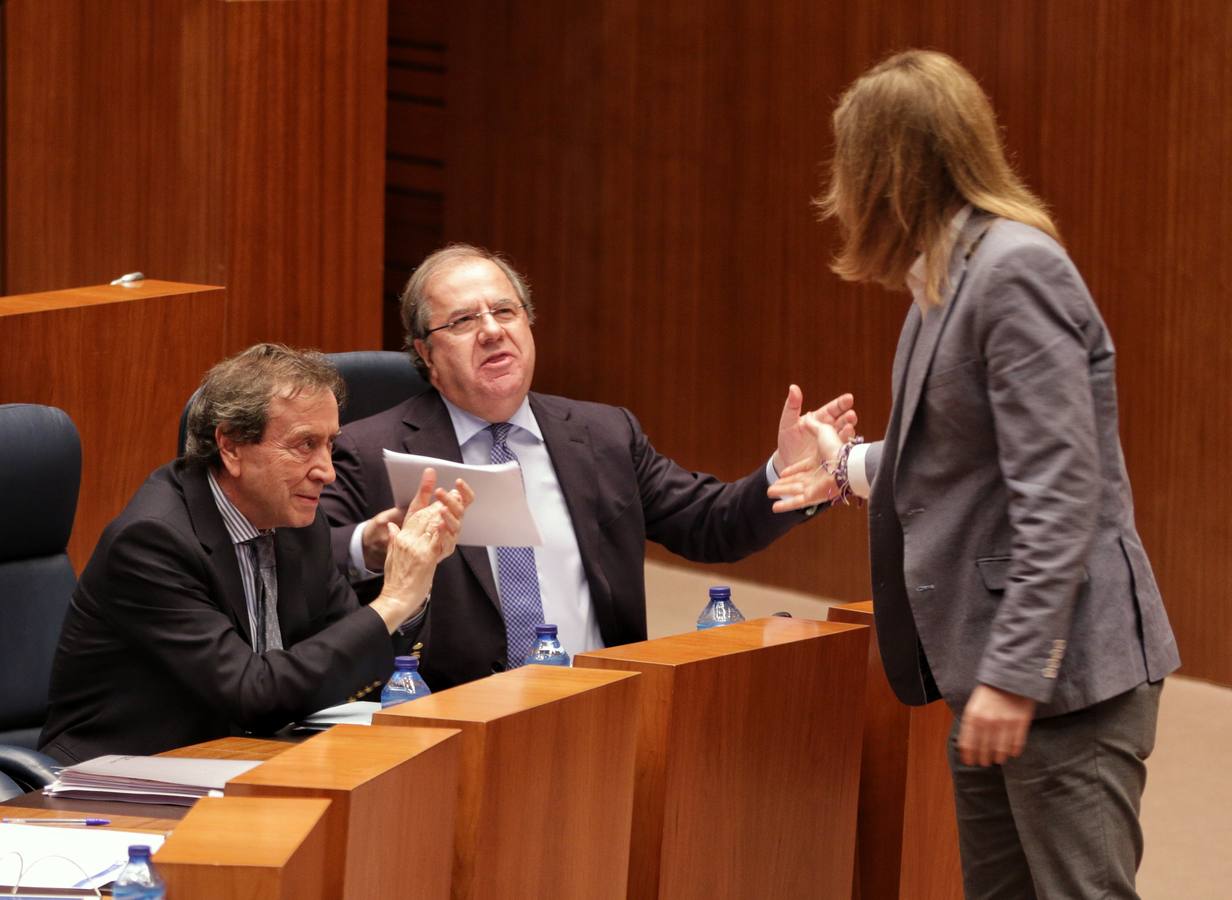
(375, 380)
(40, 474)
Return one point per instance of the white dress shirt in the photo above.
(562, 580)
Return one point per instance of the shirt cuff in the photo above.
(414, 621)
(857, 477)
(772, 474)
(358, 569)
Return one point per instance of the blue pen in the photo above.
(56, 821)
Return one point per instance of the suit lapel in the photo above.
(430, 433)
(208, 525)
(569, 448)
(292, 613)
(932, 325)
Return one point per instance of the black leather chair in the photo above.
(375, 380)
(26, 769)
(40, 473)
(9, 788)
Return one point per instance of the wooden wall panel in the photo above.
(415, 146)
(120, 361)
(196, 140)
(650, 165)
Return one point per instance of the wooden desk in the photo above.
(546, 785)
(121, 361)
(748, 759)
(158, 816)
(392, 789)
(907, 836)
(273, 849)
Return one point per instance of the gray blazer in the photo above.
(1001, 524)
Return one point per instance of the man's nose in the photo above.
(488, 326)
(323, 467)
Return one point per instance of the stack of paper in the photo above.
(147, 779)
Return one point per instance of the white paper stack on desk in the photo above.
(147, 779)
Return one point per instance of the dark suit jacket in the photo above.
(619, 492)
(156, 653)
(1001, 524)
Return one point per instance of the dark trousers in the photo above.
(1061, 820)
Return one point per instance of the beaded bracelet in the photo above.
(838, 468)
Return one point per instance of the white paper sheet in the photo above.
(499, 517)
(99, 852)
(357, 712)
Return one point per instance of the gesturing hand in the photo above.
(810, 480)
(797, 441)
(994, 726)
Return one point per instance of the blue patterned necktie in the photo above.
(521, 604)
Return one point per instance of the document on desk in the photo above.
(500, 515)
(179, 781)
(357, 712)
(58, 857)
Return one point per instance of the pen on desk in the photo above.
(56, 821)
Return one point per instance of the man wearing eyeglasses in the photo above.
(595, 485)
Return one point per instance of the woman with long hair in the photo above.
(1008, 575)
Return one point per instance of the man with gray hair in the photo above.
(211, 606)
(596, 486)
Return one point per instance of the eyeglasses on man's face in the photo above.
(503, 312)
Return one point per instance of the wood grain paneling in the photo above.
(120, 361)
(226, 143)
(251, 847)
(417, 132)
(907, 833)
(745, 789)
(649, 166)
(545, 789)
(385, 785)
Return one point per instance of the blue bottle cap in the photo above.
(545, 630)
(139, 850)
(720, 592)
(406, 662)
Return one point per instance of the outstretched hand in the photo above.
(797, 439)
(810, 480)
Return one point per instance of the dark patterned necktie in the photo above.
(266, 634)
(521, 603)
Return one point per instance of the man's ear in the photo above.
(424, 349)
(228, 452)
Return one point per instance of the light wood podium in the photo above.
(907, 837)
(120, 361)
(241, 847)
(394, 792)
(748, 759)
(546, 784)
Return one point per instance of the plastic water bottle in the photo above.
(138, 880)
(547, 650)
(720, 610)
(405, 684)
